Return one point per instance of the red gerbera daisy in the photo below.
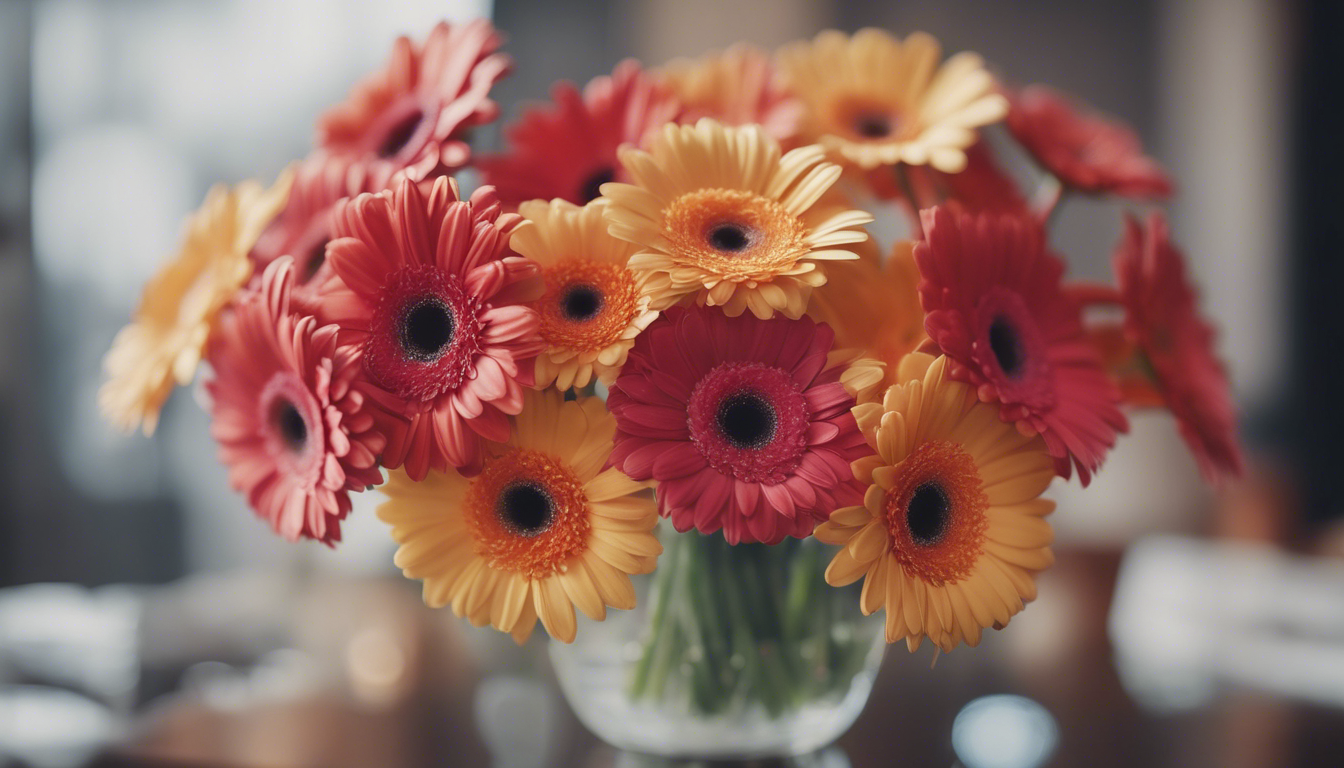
(1084, 150)
(303, 228)
(742, 422)
(412, 115)
(434, 298)
(291, 429)
(1162, 318)
(570, 152)
(995, 308)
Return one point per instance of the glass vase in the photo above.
(733, 652)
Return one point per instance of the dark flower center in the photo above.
(525, 508)
(591, 189)
(291, 426)
(873, 125)
(581, 302)
(928, 514)
(426, 330)
(1006, 344)
(316, 258)
(730, 237)
(400, 134)
(747, 420)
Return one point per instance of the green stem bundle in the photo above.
(736, 626)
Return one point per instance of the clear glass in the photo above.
(738, 651)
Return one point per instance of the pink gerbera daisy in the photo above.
(1083, 150)
(291, 429)
(303, 228)
(570, 152)
(742, 421)
(413, 114)
(1162, 318)
(433, 297)
(995, 308)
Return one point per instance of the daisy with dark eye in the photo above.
(594, 307)
(413, 115)
(1173, 346)
(543, 529)
(718, 214)
(995, 307)
(736, 86)
(291, 429)
(743, 422)
(569, 152)
(951, 531)
(874, 100)
(437, 304)
(303, 228)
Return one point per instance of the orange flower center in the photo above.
(936, 513)
(587, 304)
(734, 234)
(866, 119)
(527, 513)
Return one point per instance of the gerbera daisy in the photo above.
(994, 306)
(570, 152)
(718, 213)
(303, 228)
(593, 306)
(412, 116)
(1176, 344)
(166, 337)
(875, 100)
(737, 86)
(435, 300)
(290, 427)
(742, 421)
(542, 529)
(1085, 151)
(874, 308)
(951, 531)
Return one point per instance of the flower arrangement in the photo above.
(663, 301)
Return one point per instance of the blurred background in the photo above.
(147, 618)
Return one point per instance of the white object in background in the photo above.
(516, 718)
(1004, 731)
(51, 728)
(1190, 615)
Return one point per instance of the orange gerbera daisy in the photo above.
(166, 337)
(594, 307)
(951, 531)
(874, 308)
(542, 529)
(717, 213)
(875, 100)
(737, 86)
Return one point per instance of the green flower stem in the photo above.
(735, 626)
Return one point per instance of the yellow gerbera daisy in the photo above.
(542, 529)
(163, 343)
(951, 532)
(594, 306)
(718, 213)
(874, 308)
(875, 100)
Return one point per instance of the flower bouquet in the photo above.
(661, 300)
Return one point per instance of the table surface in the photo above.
(1057, 653)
